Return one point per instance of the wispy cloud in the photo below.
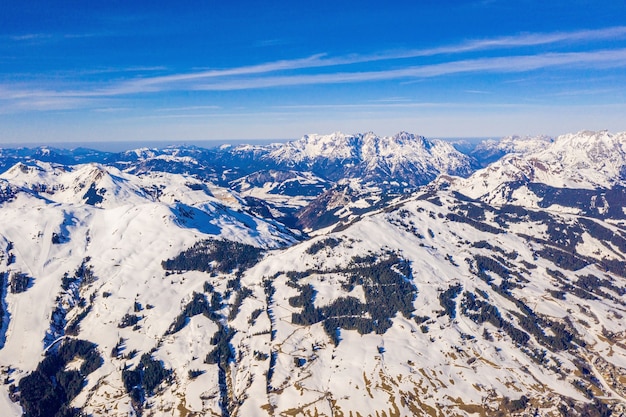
(477, 92)
(188, 108)
(45, 38)
(227, 80)
(321, 69)
(361, 105)
(528, 39)
(510, 64)
(28, 37)
(583, 92)
(112, 70)
(308, 62)
(323, 61)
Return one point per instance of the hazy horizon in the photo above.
(120, 146)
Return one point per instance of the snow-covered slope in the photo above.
(89, 184)
(438, 306)
(140, 292)
(287, 188)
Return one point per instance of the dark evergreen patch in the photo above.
(483, 244)
(20, 282)
(215, 255)
(472, 210)
(603, 234)
(481, 311)
(7, 192)
(584, 200)
(194, 373)
(83, 275)
(486, 264)
(329, 243)
(223, 352)
(198, 305)
(483, 227)
(255, 315)
(3, 313)
(221, 355)
(589, 287)
(558, 294)
(614, 266)
(118, 348)
(533, 324)
(129, 320)
(400, 221)
(143, 381)
(49, 389)
(71, 298)
(446, 299)
(388, 287)
(242, 294)
(565, 260)
(270, 290)
(74, 326)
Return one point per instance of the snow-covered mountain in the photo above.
(490, 151)
(285, 180)
(402, 161)
(405, 159)
(126, 290)
(585, 171)
(183, 200)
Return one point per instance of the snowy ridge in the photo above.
(404, 157)
(490, 151)
(584, 160)
(91, 183)
(334, 146)
(591, 159)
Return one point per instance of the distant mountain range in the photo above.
(332, 275)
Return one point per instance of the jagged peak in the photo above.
(590, 147)
(582, 160)
(404, 137)
(588, 138)
(141, 153)
(25, 171)
(514, 144)
(22, 168)
(339, 143)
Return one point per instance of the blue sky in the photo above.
(79, 71)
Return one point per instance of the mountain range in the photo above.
(332, 275)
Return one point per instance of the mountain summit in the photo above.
(589, 162)
(404, 157)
